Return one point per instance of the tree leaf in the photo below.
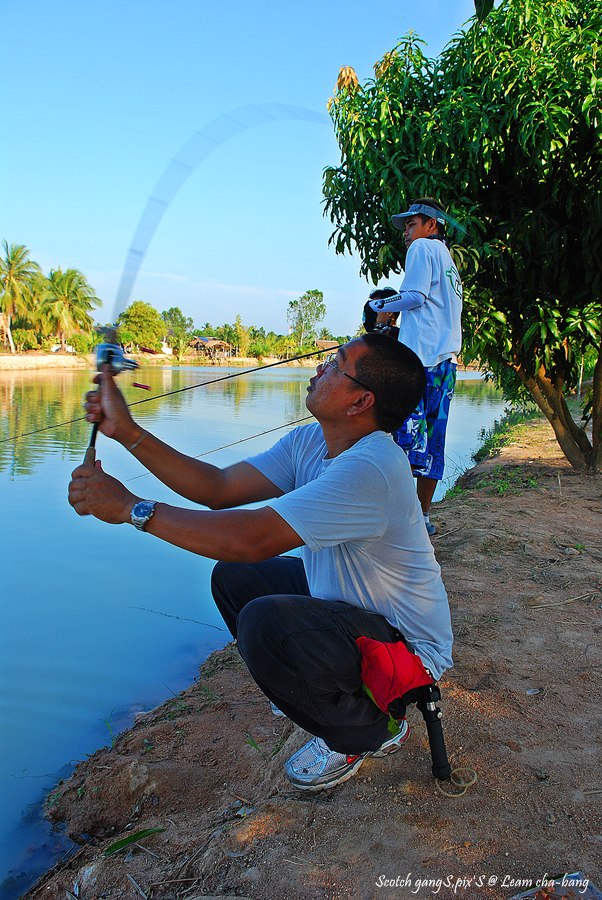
(130, 839)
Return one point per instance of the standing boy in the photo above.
(430, 302)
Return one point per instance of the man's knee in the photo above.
(256, 620)
(256, 631)
(265, 626)
(221, 576)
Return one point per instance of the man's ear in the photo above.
(364, 402)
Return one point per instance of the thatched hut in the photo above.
(211, 347)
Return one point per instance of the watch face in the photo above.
(141, 512)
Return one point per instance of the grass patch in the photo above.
(456, 491)
(503, 432)
(503, 480)
(176, 708)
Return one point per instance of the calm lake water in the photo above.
(98, 622)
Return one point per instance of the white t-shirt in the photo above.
(432, 330)
(364, 535)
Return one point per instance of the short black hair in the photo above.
(394, 374)
(430, 201)
(369, 315)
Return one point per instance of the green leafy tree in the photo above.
(505, 127)
(269, 344)
(18, 274)
(243, 337)
(66, 303)
(178, 331)
(226, 333)
(207, 330)
(304, 315)
(258, 342)
(84, 344)
(25, 339)
(140, 325)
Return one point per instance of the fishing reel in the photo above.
(113, 356)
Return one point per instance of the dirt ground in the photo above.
(520, 546)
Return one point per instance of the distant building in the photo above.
(211, 347)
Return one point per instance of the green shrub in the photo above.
(25, 339)
(83, 343)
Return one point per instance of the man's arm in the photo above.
(197, 481)
(232, 535)
(201, 482)
(241, 535)
(410, 299)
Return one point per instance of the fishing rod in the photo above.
(117, 355)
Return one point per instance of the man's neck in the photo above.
(338, 440)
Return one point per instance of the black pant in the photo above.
(301, 650)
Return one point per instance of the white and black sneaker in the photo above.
(315, 767)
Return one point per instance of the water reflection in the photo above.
(46, 407)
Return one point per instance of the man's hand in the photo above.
(107, 407)
(94, 493)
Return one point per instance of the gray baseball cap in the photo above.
(419, 209)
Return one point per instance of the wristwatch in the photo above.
(141, 513)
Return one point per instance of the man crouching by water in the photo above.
(343, 492)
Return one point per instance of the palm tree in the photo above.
(66, 303)
(17, 276)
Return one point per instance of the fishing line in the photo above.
(251, 437)
(189, 387)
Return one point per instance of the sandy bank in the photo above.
(19, 361)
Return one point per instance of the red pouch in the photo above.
(390, 670)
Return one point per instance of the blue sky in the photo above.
(100, 97)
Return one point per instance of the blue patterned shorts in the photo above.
(422, 435)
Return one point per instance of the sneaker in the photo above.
(277, 712)
(315, 767)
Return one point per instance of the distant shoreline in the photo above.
(34, 361)
(19, 362)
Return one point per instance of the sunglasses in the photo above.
(331, 360)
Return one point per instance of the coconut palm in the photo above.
(66, 303)
(18, 274)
